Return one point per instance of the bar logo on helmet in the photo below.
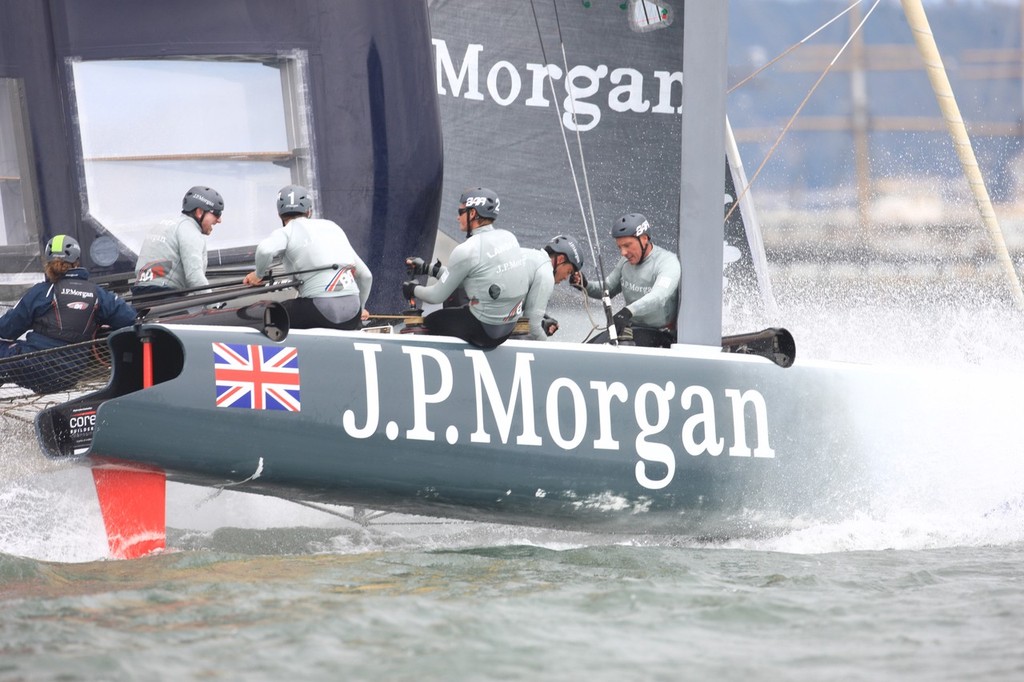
(642, 228)
(482, 201)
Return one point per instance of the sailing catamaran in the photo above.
(687, 440)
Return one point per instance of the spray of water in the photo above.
(938, 406)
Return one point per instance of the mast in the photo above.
(702, 169)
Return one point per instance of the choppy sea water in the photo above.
(924, 582)
(520, 611)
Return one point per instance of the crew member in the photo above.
(491, 268)
(556, 262)
(173, 256)
(335, 280)
(648, 278)
(67, 308)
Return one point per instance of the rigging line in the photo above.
(647, 17)
(796, 113)
(558, 113)
(596, 244)
(793, 47)
(565, 142)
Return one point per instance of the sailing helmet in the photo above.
(631, 225)
(62, 247)
(202, 197)
(485, 201)
(294, 199)
(568, 248)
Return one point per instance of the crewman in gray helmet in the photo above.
(491, 268)
(555, 263)
(173, 256)
(335, 280)
(647, 276)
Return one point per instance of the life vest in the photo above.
(72, 313)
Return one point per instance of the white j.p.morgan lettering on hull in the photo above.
(348, 419)
(487, 387)
(532, 409)
(420, 396)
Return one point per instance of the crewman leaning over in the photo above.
(559, 260)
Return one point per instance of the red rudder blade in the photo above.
(133, 504)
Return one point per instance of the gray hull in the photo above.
(686, 440)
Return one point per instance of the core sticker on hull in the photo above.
(81, 423)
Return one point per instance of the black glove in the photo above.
(416, 266)
(622, 319)
(578, 280)
(408, 289)
(549, 325)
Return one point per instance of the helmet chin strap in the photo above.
(199, 220)
(644, 250)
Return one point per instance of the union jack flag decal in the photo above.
(256, 377)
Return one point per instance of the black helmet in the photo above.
(294, 199)
(485, 201)
(62, 247)
(631, 225)
(567, 247)
(205, 198)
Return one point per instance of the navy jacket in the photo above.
(111, 310)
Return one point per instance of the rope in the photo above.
(800, 108)
(589, 230)
(793, 47)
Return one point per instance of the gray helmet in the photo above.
(631, 225)
(567, 247)
(205, 198)
(294, 199)
(62, 247)
(485, 201)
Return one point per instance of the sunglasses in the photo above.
(216, 214)
(462, 211)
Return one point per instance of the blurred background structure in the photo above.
(866, 184)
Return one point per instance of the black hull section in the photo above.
(684, 441)
(374, 123)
